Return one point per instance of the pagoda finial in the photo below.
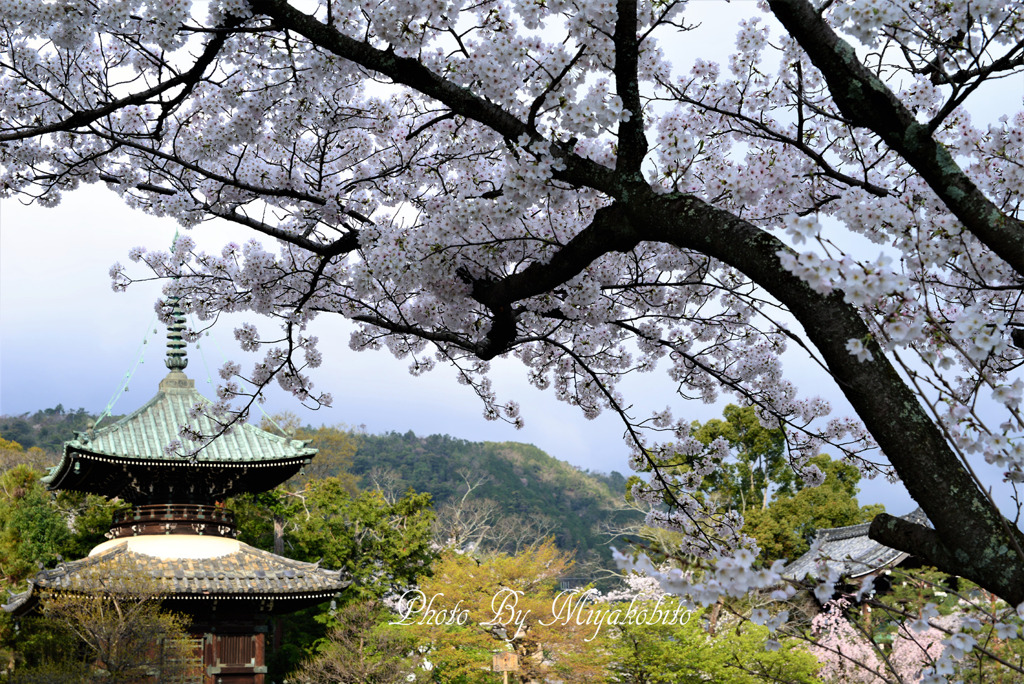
(176, 357)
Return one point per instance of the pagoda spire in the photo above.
(177, 359)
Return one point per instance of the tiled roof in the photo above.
(241, 572)
(849, 551)
(146, 433)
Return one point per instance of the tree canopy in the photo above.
(471, 608)
(383, 545)
(785, 528)
(780, 512)
(546, 181)
(759, 465)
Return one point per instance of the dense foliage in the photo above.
(687, 654)
(383, 545)
(781, 512)
(472, 608)
(475, 608)
(33, 533)
(359, 649)
(786, 527)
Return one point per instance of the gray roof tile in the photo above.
(247, 572)
(849, 551)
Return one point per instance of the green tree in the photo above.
(760, 464)
(33, 649)
(470, 608)
(360, 649)
(780, 511)
(683, 652)
(336, 448)
(89, 517)
(383, 545)
(13, 453)
(33, 533)
(36, 530)
(785, 528)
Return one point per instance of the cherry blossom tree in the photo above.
(540, 180)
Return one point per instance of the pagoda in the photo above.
(178, 533)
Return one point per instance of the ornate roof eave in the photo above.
(74, 453)
(21, 602)
(154, 432)
(143, 436)
(25, 602)
(121, 476)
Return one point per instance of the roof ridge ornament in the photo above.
(177, 358)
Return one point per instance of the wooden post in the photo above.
(504, 663)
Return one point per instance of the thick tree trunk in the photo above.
(278, 535)
(971, 538)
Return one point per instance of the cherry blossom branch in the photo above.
(632, 138)
(868, 102)
(410, 72)
(931, 472)
(82, 118)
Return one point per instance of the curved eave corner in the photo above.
(56, 474)
(22, 602)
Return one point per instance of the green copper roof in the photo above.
(144, 458)
(146, 433)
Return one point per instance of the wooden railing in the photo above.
(174, 519)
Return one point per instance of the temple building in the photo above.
(851, 554)
(177, 534)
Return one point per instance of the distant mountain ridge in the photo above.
(47, 429)
(521, 478)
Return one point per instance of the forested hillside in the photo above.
(516, 491)
(47, 429)
(525, 483)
